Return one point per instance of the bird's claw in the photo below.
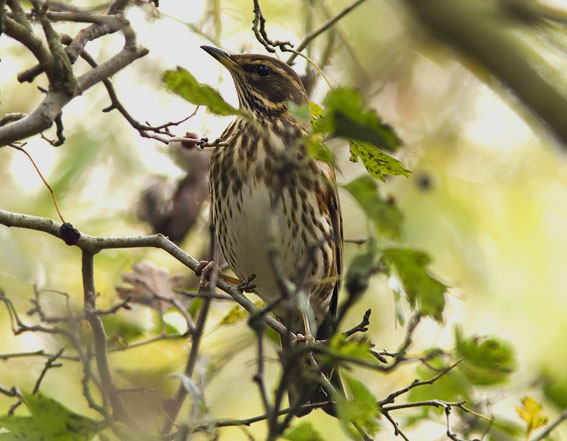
(245, 285)
(203, 271)
(303, 339)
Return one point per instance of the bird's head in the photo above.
(264, 84)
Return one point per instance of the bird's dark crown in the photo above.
(264, 84)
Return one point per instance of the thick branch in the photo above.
(99, 335)
(95, 244)
(197, 333)
(57, 62)
(45, 113)
(21, 31)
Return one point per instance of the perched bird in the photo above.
(268, 196)
(275, 209)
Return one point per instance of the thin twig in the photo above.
(551, 427)
(255, 419)
(196, 336)
(416, 383)
(316, 32)
(362, 326)
(49, 363)
(42, 178)
(12, 392)
(259, 28)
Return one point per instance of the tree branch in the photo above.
(325, 26)
(57, 63)
(551, 427)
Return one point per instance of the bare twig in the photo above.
(198, 295)
(259, 377)
(11, 117)
(401, 352)
(551, 427)
(358, 241)
(316, 32)
(196, 335)
(416, 383)
(49, 363)
(362, 326)
(99, 337)
(12, 392)
(259, 28)
(255, 419)
(57, 63)
(42, 178)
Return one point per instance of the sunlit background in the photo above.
(487, 198)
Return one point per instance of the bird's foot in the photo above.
(245, 285)
(303, 339)
(203, 271)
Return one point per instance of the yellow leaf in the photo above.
(530, 412)
(236, 314)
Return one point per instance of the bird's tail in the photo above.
(305, 385)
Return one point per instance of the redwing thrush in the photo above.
(270, 198)
(269, 195)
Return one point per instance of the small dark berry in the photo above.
(69, 234)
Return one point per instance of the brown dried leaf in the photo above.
(150, 285)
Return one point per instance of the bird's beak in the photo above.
(222, 56)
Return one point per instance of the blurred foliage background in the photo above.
(486, 197)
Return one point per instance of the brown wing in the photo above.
(337, 219)
(326, 330)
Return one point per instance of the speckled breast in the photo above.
(264, 207)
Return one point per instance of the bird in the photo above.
(275, 209)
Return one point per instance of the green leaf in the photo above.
(453, 386)
(361, 411)
(318, 150)
(300, 113)
(409, 267)
(235, 315)
(376, 162)
(555, 388)
(50, 421)
(487, 360)
(530, 412)
(316, 111)
(195, 306)
(384, 214)
(351, 347)
(120, 330)
(314, 142)
(303, 432)
(346, 116)
(184, 84)
(361, 268)
(399, 309)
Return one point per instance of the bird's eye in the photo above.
(263, 70)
